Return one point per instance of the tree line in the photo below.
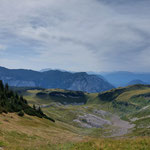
(10, 101)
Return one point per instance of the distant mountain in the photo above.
(89, 83)
(122, 78)
(133, 82)
(48, 69)
(54, 79)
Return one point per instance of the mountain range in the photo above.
(79, 81)
(118, 118)
(124, 78)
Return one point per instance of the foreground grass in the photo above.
(112, 144)
(32, 133)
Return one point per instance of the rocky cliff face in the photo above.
(54, 79)
(89, 83)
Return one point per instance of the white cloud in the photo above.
(75, 35)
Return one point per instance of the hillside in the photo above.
(133, 82)
(32, 133)
(82, 120)
(10, 102)
(97, 109)
(54, 79)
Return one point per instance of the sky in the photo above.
(75, 35)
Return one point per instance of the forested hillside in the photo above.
(11, 102)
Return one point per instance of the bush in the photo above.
(21, 113)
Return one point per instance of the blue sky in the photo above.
(75, 35)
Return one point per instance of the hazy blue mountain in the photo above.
(80, 81)
(133, 82)
(122, 78)
(48, 69)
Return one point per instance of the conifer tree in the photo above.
(34, 107)
(6, 87)
(1, 86)
(21, 98)
(11, 102)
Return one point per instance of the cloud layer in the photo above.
(87, 35)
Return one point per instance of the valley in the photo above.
(74, 75)
(116, 114)
(82, 120)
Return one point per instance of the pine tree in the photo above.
(34, 107)
(1, 86)
(16, 96)
(40, 111)
(6, 87)
(11, 102)
(21, 98)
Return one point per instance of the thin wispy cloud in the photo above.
(87, 35)
(2, 47)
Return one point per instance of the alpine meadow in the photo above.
(74, 75)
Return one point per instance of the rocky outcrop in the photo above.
(91, 121)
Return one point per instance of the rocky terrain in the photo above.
(91, 121)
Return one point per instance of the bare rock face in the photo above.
(102, 113)
(91, 121)
(89, 83)
(19, 83)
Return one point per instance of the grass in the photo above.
(127, 95)
(126, 105)
(111, 144)
(32, 133)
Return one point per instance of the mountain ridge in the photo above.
(122, 78)
(79, 81)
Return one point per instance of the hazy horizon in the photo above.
(90, 72)
(75, 35)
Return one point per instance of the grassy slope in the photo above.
(35, 133)
(128, 104)
(133, 105)
(32, 133)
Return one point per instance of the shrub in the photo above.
(21, 113)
